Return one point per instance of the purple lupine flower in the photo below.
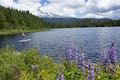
(60, 77)
(83, 62)
(71, 51)
(80, 61)
(112, 54)
(73, 54)
(68, 53)
(91, 75)
(103, 58)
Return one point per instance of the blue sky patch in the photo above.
(43, 2)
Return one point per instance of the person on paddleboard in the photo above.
(23, 35)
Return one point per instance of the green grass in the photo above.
(18, 31)
(16, 65)
(14, 32)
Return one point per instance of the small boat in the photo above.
(24, 40)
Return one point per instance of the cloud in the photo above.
(103, 9)
(68, 8)
(103, 5)
(84, 8)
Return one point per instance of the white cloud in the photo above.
(69, 8)
(103, 5)
(66, 8)
(6, 3)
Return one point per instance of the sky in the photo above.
(68, 8)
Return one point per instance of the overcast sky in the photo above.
(69, 8)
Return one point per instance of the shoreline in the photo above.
(12, 32)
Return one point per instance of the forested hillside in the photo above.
(13, 19)
(85, 22)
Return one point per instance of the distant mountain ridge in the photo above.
(72, 20)
(85, 22)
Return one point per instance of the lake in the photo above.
(53, 42)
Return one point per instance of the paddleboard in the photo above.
(24, 40)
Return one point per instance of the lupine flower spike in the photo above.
(91, 75)
(80, 61)
(71, 52)
(103, 58)
(112, 54)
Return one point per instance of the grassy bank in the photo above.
(11, 32)
(5, 32)
(30, 65)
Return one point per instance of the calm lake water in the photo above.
(54, 42)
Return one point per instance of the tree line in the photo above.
(86, 22)
(14, 19)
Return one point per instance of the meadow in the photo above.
(31, 65)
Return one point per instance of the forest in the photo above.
(11, 19)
